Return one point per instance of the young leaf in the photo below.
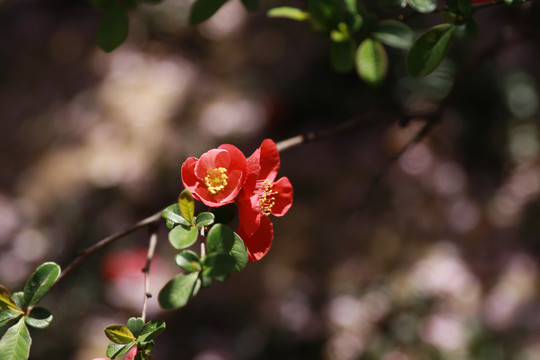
(239, 253)
(220, 239)
(15, 344)
(288, 13)
(119, 334)
(188, 260)
(172, 214)
(8, 315)
(7, 302)
(39, 318)
(429, 50)
(342, 55)
(113, 28)
(178, 290)
(218, 264)
(204, 219)
(40, 282)
(394, 33)
(202, 10)
(324, 14)
(135, 325)
(18, 297)
(150, 330)
(371, 61)
(423, 6)
(115, 350)
(182, 237)
(186, 205)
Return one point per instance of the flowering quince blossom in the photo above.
(130, 355)
(260, 197)
(217, 177)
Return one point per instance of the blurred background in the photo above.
(438, 261)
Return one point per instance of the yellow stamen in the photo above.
(266, 198)
(216, 180)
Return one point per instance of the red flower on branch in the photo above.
(217, 177)
(260, 197)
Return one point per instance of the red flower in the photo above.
(260, 197)
(217, 177)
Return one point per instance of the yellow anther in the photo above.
(266, 198)
(216, 180)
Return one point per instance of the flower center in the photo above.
(216, 180)
(266, 197)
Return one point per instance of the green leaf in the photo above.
(423, 6)
(119, 334)
(40, 282)
(218, 264)
(150, 330)
(186, 205)
(394, 33)
(206, 281)
(460, 6)
(39, 318)
(324, 14)
(288, 13)
(18, 297)
(188, 260)
(204, 219)
(8, 315)
(172, 214)
(371, 61)
(342, 55)
(115, 350)
(251, 5)
(15, 344)
(135, 325)
(182, 237)
(467, 30)
(113, 28)
(239, 253)
(429, 50)
(202, 10)
(220, 239)
(7, 302)
(178, 290)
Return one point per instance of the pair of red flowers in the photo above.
(222, 176)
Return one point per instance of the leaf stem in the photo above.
(153, 230)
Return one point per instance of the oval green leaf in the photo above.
(202, 10)
(135, 325)
(39, 318)
(342, 55)
(220, 239)
(119, 334)
(113, 28)
(204, 219)
(371, 61)
(239, 253)
(15, 344)
(40, 282)
(8, 315)
(182, 237)
(7, 302)
(429, 50)
(178, 290)
(423, 6)
(218, 264)
(394, 33)
(115, 350)
(288, 13)
(151, 329)
(186, 205)
(188, 260)
(172, 213)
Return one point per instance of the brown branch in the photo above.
(85, 253)
(152, 229)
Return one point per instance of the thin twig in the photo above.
(153, 230)
(85, 253)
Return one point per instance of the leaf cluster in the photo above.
(136, 333)
(18, 310)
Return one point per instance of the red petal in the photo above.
(210, 160)
(237, 159)
(249, 216)
(189, 179)
(284, 196)
(260, 241)
(269, 160)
